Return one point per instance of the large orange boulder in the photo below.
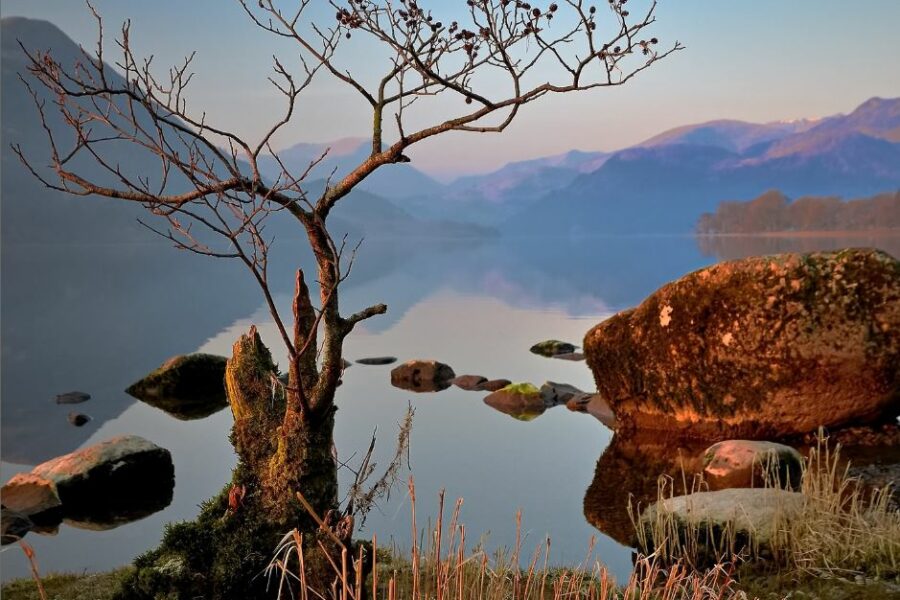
(757, 348)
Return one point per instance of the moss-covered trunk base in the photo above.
(225, 551)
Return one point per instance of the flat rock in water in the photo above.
(187, 386)
(72, 398)
(552, 348)
(422, 376)
(14, 526)
(749, 463)
(377, 360)
(469, 382)
(521, 401)
(111, 478)
(493, 385)
(758, 348)
(78, 419)
(31, 495)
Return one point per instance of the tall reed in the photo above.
(446, 569)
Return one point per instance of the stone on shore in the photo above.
(749, 463)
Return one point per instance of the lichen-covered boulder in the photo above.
(749, 463)
(522, 401)
(187, 386)
(422, 376)
(757, 348)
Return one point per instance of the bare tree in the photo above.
(212, 199)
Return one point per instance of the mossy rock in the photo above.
(552, 348)
(759, 348)
(188, 386)
(521, 401)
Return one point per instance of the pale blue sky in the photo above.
(759, 60)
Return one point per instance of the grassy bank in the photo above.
(843, 545)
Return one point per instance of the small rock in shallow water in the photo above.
(377, 360)
(78, 419)
(493, 385)
(422, 376)
(559, 393)
(469, 383)
(552, 348)
(187, 386)
(521, 401)
(72, 398)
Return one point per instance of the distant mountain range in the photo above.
(661, 185)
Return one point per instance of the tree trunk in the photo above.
(281, 451)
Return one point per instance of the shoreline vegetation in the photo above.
(774, 213)
(844, 543)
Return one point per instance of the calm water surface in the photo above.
(98, 318)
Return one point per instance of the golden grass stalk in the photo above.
(448, 570)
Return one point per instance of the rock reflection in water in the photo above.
(629, 472)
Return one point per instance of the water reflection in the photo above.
(96, 319)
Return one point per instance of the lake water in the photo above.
(97, 318)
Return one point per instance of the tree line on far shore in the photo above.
(775, 212)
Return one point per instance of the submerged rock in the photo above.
(188, 386)
(554, 393)
(113, 480)
(521, 401)
(13, 526)
(493, 385)
(377, 360)
(78, 419)
(552, 348)
(72, 398)
(753, 516)
(763, 347)
(422, 376)
(748, 463)
(469, 383)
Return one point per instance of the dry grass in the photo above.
(843, 530)
(446, 570)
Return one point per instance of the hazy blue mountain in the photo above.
(391, 181)
(735, 136)
(666, 183)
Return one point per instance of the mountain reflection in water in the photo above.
(99, 318)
